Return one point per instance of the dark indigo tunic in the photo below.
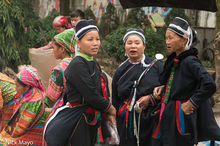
(71, 125)
(84, 84)
(191, 82)
(122, 84)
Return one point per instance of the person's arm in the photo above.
(158, 90)
(46, 47)
(144, 101)
(116, 101)
(55, 86)
(77, 74)
(205, 90)
(207, 85)
(28, 113)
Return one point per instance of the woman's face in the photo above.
(174, 42)
(57, 51)
(60, 29)
(20, 88)
(89, 44)
(134, 47)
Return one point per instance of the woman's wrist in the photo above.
(146, 98)
(194, 105)
(111, 111)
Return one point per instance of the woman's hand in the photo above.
(187, 108)
(144, 102)
(112, 115)
(49, 110)
(157, 91)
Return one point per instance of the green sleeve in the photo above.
(57, 77)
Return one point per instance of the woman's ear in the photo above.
(77, 43)
(62, 49)
(184, 41)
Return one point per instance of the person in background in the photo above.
(8, 97)
(133, 83)
(60, 23)
(185, 116)
(76, 16)
(87, 103)
(63, 49)
(28, 120)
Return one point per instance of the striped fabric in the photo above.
(5, 78)
(8, 91)
(165, 98)
(26, 117)
(56, 87)
(1, 100)
(83, 27)
(28, 109)
(33, 137)
(67, 40)
(19, 132)
(7, 113)
(7, 96)
(54, 91)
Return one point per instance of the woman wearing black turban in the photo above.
(185, 115)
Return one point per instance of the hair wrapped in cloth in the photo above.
(30, 76)
(181, 28)
(134, 31)
(83, 27)
(67, 40)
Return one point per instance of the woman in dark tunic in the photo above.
(186, 116)
(76, 123)
(125, 92)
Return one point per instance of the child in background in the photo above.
(75, 16)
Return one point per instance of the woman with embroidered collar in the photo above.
(133, 82)
(27, 122)
(87, 103)
(185, 116)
